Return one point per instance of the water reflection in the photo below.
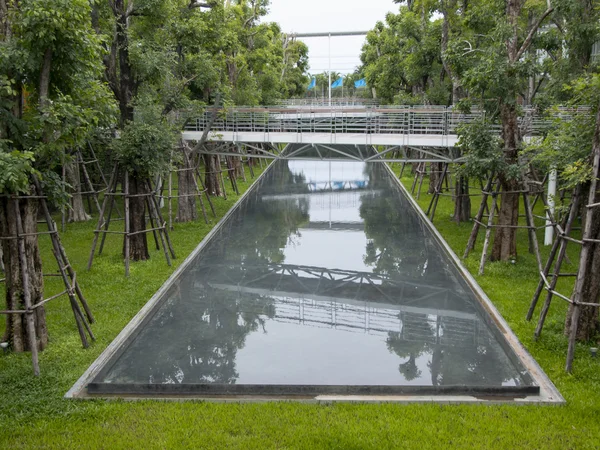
(323, 276)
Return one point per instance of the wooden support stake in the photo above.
(171, 200)
(152, 226)
(164, 235)
(127, 226)
(198, 191)
(488, 232)
(88, 182)
(478, 217)
(583, 257)
(101, 218)
(532, 232)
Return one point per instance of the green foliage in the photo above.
(77, 102)
(402, 58)
(144, 149)
(567, 144)
(482, 149)
(15, 169)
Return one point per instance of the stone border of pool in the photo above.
(548, 394)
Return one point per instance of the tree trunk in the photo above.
(186, 204)
(138, 243)
(505, 239)
(588, 319)
(462, 201)
(447, 6)
(126, 88)
(77, 211)
(212, 177)
(435, 173)
(16, 327)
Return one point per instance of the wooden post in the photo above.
(101, 217)
(127, 226)
(151, 219)
(222, 178)
(199, 177)
(88, 181)
(171, 200)
(546, 271)
(488, 231)
(63, 209)
(436, 195)
(199, 192)
(584, 257)
(64, 267)
(163, 233)
(478, 217)
(531, 228)
(112, 204)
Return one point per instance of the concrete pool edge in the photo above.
(548, 393)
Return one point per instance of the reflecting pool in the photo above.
(323, 280)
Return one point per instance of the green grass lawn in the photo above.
(33, 412)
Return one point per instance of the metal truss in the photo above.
(337, 152)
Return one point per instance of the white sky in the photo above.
(310, 16)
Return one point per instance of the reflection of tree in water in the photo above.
(196, 335)
(195, 342)
(472, 363)
(396, 243)
(265, 225)
(410, 349)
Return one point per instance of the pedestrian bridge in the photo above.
(397, 133)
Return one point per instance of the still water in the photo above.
(324, 275)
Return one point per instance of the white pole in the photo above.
(549, 235)
(329, 69)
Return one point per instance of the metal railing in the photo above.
(378, 120)
(360, 120)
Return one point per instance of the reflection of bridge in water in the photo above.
(354, 301)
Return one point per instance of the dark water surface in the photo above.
(323, 276)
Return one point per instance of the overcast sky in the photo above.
(310, 16)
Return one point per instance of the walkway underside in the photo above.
(344, 138)
(335, 152)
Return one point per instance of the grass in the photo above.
(34, 414)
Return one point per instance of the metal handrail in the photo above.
(404, 120)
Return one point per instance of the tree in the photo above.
(50, 101)
(568, 147)
(495, 68)
(402, 57)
